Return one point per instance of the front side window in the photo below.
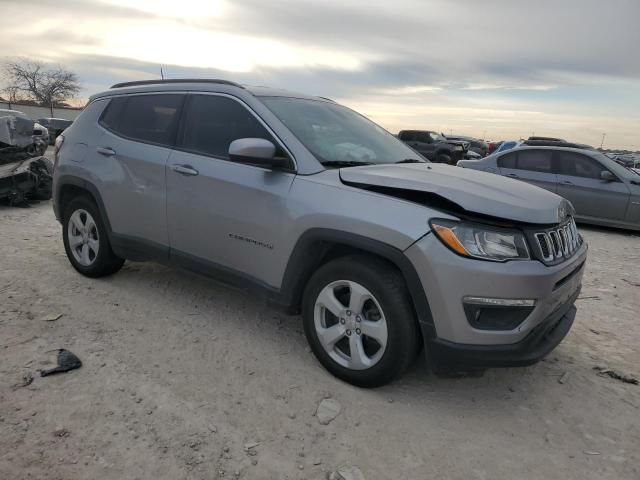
(577, 165)
(535, 161)
(336, 135)
(145, 118)
(212, 122)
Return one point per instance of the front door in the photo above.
(227, 214)
(579, 182)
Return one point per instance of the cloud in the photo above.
(563, 60)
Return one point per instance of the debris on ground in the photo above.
(26, 381)
(250, 446)
(62, 433)
(605, 372)
(630, 282)
(66, 361)
(52, 317)
(563, 378)
(346, 473)
(328, 410)
(589, 452)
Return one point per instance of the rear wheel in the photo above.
(86, 241)
(359, 320)
(42, 168)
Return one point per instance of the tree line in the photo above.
(37, 83)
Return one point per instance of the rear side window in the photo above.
(577, 165)
(507, 161)
(212, 122)
(535, 161)
(145, 118)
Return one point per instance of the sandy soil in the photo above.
(181, 373)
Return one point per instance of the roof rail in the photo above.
(327, 99)
(176, 80)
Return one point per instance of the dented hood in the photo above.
(473, 191)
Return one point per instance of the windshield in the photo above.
(337, 135)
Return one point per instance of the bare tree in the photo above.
(49, 85)
(13, 95)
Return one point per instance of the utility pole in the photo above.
(161, 73)
(602, 142)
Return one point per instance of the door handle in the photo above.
(107, 151)
(185, 170)
(566, 182)
(512, 175)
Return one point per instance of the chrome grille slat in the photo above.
(559, 242)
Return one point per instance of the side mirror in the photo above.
(607, 176)
(256, 151)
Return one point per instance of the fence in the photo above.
(43, 112)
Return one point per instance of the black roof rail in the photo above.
(327, 99)
(176, 80)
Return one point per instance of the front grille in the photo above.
(559, 242)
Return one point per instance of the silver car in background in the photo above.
(602, 191)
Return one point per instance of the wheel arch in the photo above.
(69, 186)
(319, 245)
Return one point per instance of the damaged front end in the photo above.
(23, 177)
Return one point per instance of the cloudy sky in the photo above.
(497, 69)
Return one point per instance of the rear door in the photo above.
(579, 182)
(139, 131)
(222, 213)
(533, 166)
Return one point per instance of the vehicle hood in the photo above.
(470, 190)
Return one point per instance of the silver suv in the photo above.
(327, 214)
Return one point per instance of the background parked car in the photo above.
(55, 126)
(475, 145)
(602, 191)
(435, 146)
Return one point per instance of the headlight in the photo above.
(479, 241)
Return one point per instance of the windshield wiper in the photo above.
(411, 160)
(344, 163)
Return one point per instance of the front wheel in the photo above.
(359, 320)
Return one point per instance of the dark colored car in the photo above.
(435, 146)
(475, 145)
(55, 126)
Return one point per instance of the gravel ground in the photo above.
(182, 377)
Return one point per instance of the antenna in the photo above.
(602, 142)
(161, 73)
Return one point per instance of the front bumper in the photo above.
(535, 346)
(448, 278)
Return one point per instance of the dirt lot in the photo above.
(181, 373)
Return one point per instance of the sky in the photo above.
(494, 69)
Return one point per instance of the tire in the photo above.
(103, 262)
(443, 158)
(389, 303)
(43, 169)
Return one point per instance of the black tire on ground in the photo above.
(106, 262)
(443, 158)
(43, 169)
(387, 285)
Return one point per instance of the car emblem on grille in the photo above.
(562, 212)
